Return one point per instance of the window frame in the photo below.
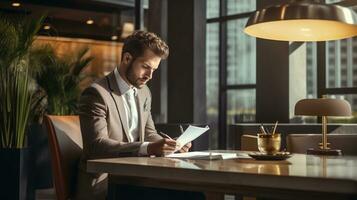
(223, 87)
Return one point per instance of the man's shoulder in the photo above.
(98, 87)
(99, 84)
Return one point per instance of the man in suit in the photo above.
(115, 113)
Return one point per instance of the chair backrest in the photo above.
(299, 143)
(249, 143)
(65, 141)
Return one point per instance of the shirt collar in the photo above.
(123, 86)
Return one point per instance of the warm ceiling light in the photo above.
(114, 37)
(128, 29)
(16, 4)
(302, 21)
(46, 27)
(89, 21)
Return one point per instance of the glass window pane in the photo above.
(240, 6)
(241, 54)
(311, 70)
(341, 62)
(212, 72)
(240, 106)
(212, 9)
(352, 99)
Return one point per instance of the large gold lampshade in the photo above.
(323, 108)
(303, 21)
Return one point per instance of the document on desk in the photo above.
(191, 133)
(200, 155)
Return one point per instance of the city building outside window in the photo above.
(231, 65)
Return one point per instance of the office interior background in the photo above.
(336, 60)
(216, 74)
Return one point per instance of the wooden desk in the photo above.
(299, 177)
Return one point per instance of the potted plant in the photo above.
(58, 78)
(16, 37)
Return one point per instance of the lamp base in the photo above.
(325, 152)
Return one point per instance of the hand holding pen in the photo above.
(163, 146)
(185, 148)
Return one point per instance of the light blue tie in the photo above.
(132, 115)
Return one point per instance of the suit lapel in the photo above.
(117, 97)
(141, 103)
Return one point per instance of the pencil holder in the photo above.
(269, 143)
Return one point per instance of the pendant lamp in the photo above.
(303, 21)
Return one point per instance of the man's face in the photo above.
(140, 70)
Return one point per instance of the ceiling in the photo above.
(69, 18)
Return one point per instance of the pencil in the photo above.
(262, 129)
(276, 124)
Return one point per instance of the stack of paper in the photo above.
(203, 155)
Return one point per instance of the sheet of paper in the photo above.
(191, 133)
(199, 155)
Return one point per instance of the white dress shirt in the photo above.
(129, 95)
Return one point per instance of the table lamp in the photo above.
(323, 107)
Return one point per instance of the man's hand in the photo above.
(186, 147)
(162, 147)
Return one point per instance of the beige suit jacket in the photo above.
(105, 131)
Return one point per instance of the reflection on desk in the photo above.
(324, 177)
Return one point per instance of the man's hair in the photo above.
(139, 41)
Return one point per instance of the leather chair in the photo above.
(299, 143)
(65, 142)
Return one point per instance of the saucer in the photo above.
(277, 156)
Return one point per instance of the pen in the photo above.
(181, 129)
(164, 135)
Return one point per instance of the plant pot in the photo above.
(40, 161)
(14, 171)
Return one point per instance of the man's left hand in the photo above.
(186, 147)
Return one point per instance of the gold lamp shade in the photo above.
(303, 21)
(323, 107)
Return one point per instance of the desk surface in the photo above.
(300, 172)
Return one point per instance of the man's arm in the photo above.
(151, 134)
(157, 145)
(96, 142)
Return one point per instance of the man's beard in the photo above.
(131, 77)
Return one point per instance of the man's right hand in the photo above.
(162, 147)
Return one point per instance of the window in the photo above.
(212, 85)
(340, 66)
(338, 70)
(311, 70)
(231, 66)
(341, 74)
